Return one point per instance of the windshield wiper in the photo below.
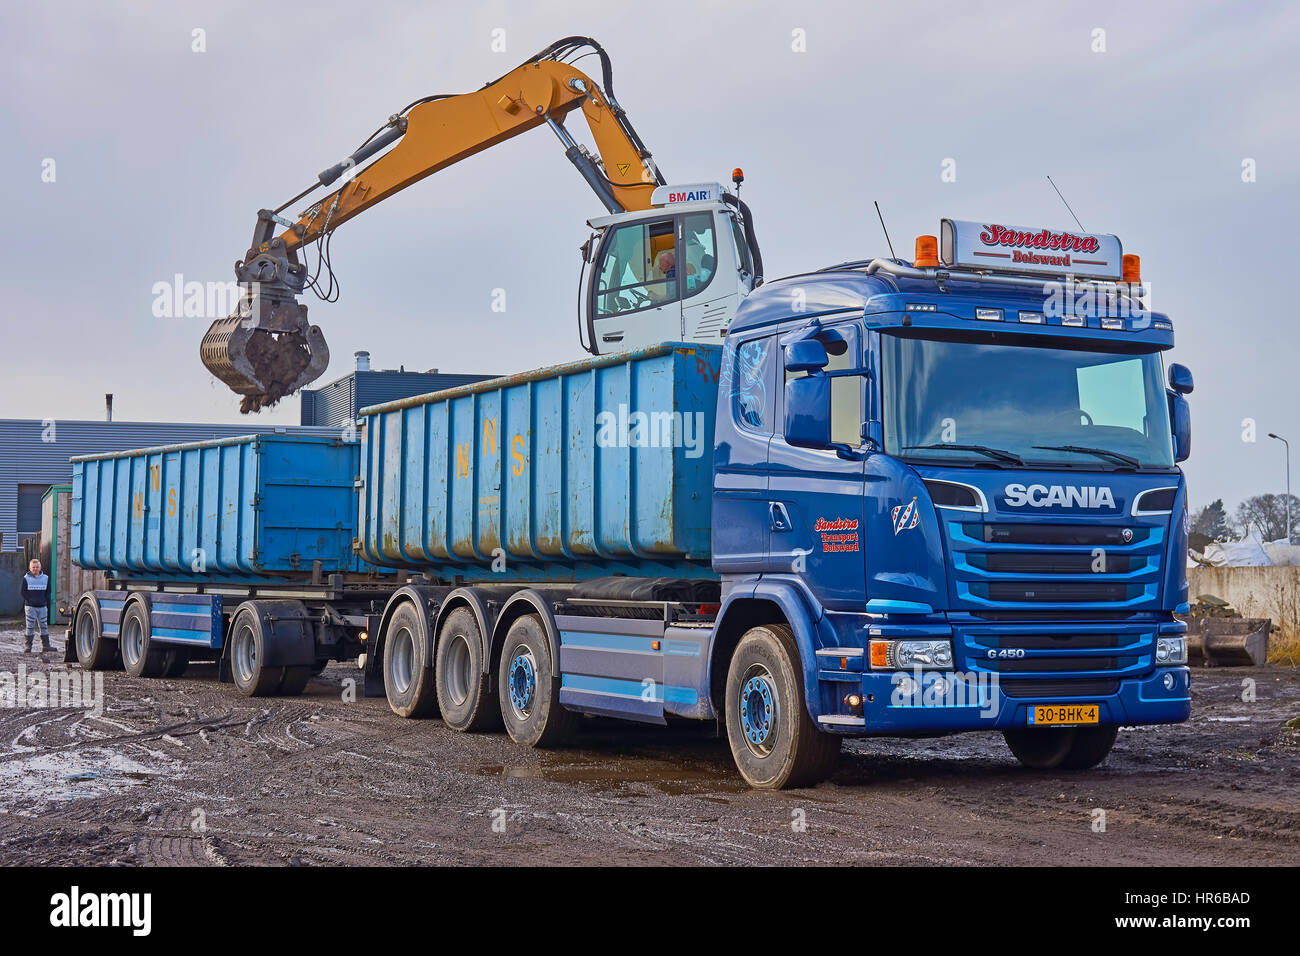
(997, 453)
(1099, 452)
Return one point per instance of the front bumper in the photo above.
(979, 702)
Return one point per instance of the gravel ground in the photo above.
(187, 772)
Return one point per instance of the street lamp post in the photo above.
(1288, 483)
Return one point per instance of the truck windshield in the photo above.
(978, 402)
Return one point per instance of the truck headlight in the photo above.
(909, 655)
(1171, 650)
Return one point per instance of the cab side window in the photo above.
(700, 251)
(637, 270)
(750, 382)
(846, 395)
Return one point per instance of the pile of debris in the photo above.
(1218, 636)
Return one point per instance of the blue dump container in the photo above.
(595, 468)
(229, 510)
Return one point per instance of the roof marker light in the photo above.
(1161, 324)
(1114, 323)
(1073, 320)
(927, 253)
(989, 315)
(1035, 318)
(922, 307)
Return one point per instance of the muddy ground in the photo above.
(187, 772)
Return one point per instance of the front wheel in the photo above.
(773, 740)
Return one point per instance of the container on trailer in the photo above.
(230, 509)
(594, 468)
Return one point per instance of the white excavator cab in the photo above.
(675, 272)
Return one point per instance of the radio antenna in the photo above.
(1067, 206)
(886, 231)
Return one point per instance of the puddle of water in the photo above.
(69, 775)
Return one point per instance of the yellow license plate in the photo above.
(1059, 715)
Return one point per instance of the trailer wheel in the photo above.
(466, 697)
(1041, 749)
(774, 742)
(408, 673)
(529, 688)
(140, 656)
(95, 652)
(247, 651)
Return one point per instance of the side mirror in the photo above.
(806, 355)
(1180, 379)
(1180, 421)
(808, 410)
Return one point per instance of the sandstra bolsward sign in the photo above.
(991, 245)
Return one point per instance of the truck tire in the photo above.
(528, 687)
(175, 661)
(408, 673)
(466, 697)
(141, 657)
(247, 651)
(1041, 749)
(1090, 747)
(294, 681)
(95, 652)
(773, 740)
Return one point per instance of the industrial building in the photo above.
(338, 402)
(35, 454)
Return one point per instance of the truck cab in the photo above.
(676, 272)
(959, 486)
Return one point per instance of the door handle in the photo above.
(780, 517)
(612, 337)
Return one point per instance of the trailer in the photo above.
(898, 499)
(237, 550)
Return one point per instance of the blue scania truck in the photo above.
(898, 498)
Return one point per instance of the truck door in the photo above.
(746, 420)
(636, 289)
(819, 493)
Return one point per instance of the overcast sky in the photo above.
(162, 156)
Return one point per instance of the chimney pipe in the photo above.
(108, 407)
(363, 361)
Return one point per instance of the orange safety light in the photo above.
(927, 253)
(879, 653)
(1132, 269)
(737, 175)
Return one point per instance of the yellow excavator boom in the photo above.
(266, 349)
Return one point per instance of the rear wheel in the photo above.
(94, 651)
(1091, 746)
(408, 672)
(529, 688)
(466, 696)
(773, 740)
(1069, 748)
(141, 657)
(247, 652)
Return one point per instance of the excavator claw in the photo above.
(265, 350)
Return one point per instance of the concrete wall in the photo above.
(1272, 592)
(12, 568)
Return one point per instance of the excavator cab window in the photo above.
(649, 264)
(638, 268)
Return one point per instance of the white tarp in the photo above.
(1248, 553)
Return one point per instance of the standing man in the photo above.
(36, 606)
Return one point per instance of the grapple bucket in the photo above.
(264, 351)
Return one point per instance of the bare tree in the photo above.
(1265, 514)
